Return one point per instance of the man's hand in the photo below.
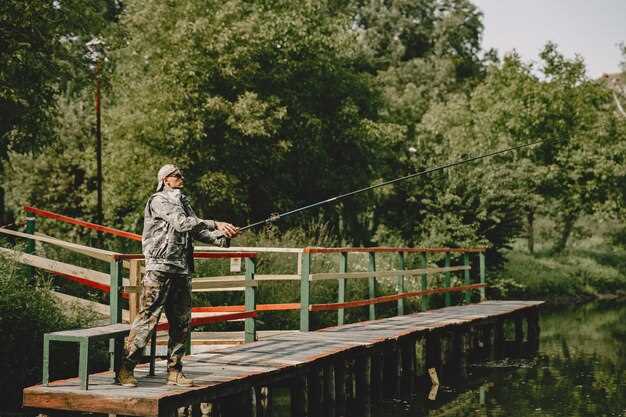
(228, 229)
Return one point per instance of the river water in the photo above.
(580, 370)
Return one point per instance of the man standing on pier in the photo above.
(170, 225)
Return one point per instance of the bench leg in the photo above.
(116, 351)
(46, 360)
(83, 364)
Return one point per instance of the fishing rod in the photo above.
(277, 216)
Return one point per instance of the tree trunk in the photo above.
(531, 230)
(566, 232)
(3, 210)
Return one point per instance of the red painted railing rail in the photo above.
(89, 225)
(306, 277)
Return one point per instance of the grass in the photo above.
(593, 266)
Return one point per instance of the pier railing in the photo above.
(400, 273)
(454, 267)
(423, 275)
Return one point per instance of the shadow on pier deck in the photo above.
(315, 362)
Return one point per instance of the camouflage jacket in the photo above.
(170, 225)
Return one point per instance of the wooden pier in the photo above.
(322, 367)
(325, 370)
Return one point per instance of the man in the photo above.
(170, 226)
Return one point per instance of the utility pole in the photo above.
(99, 215)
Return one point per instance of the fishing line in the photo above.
(278, 216)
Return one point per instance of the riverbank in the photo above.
(592, 268)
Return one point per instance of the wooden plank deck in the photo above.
(239, 367)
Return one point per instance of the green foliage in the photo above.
(62, 176)
(40, 53)
(44, 56)
(27, 311)
(272, 105)
(571, 175)
(590, 268)
(251, 101)
(618, 237)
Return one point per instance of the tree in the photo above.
(62, 177)
(573, 173)
(263, 105)
(41, 51)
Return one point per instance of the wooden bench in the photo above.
(84, 337)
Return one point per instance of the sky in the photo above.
(590, 28)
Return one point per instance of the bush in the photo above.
(618, 237)
(28, 309)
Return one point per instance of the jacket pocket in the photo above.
(176, 246)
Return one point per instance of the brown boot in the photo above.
(125, 375)
(176, 377)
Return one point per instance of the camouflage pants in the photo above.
(162, 291)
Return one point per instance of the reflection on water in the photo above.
(579, 371)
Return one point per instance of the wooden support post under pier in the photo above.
(399, 369)
(299, 396)
(533, 330)
(378, 369)
(433, 351)
(340, 381)
(519, 330)
(330, 390)
(314, 382)
(390, 371)
(489, 340)
(340, 385)
(408, 347)
(459, 353)
(363, 374)
(498, 339)
(473, 346)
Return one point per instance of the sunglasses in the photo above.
(179, 176)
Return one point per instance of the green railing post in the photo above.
(31, 227)
(250, 301)
(46, 360)
(481, 255)
(424, 283)
(400, 283)
(341, 296)
(466, 277)
(372, 283)
(447, 280)
(305, 269)
(115, 308)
